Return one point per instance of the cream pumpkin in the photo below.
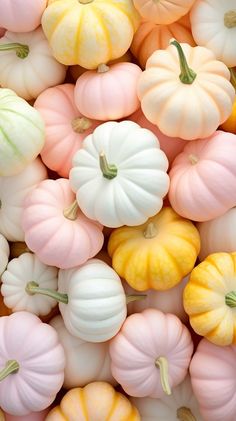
(163, 11)
(4, 253)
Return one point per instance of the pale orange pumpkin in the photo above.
(163, 12)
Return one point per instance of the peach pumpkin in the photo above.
(110, 93)
(163, 12)
(65, 127)
(21, 15)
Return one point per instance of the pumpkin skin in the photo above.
(13, 191)
(206, 298)
(163, 12)
(21, 15)
(213, 371)
(96, 401)
(203, 178)
(4, 253)
(157, 254)
(33, 416)
(151, 37)
(137, 192)
(41, 360)
(65, 127)
(106, 30)
(230, 124)
(221, 38)
(135, 351)
(93, 91)
(189, 110)
(85, 361)
(18, 147)
(52, 236)
(19, 74)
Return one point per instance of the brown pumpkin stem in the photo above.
(185, 414)
(230, 19)
(187, 75)
(230, 299)
(193, 159)
(21, 50)
(162, 364)
(233, 77)
(109, 171)
(103, 68)
(33, 288)
(150, 231)
(71, 212)
(11, 367)
(81, 124)
(137, 297)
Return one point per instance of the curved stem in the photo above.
(137, 297)
(85, 1)
(185, 414)
(33, 288)
(193, 159)
(109, 171)
(233, 77)
(71, 212)
(11, 367)
(150, 231)
(81, 124)
(103, 68)
(230, 19)
(187, 75)
(230, 299)
(21, 50)
(162, 364)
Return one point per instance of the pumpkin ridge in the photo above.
(82, 399)
(59, 20)
(115, 401)
(22, 116)
(8, 141)
(99, 17)
(77, 40)
(121, 10)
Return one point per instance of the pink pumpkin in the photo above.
(172, 146)
(151, 354)
(2, 32)
(110, 93)
(55, 228)
(203, 178)
(213, 377)
(33, 416)
(21, 15)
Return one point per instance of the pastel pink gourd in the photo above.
(21, 15)
(33, 416)
(65, 127)
(110, 93)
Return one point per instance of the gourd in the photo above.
(163, 12)
(21, 15)
(33, 416)
(4, 253)
(230, 124)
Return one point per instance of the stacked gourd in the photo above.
(117, 210)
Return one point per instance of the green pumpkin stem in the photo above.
(230, 299)
(33, 288)
(21, 50)
(71, 212)
(230, 19)
(185, 414)
(109, 171)
(162, 364)
(135, 297)
(11, 367)
(187, 75)
(233, 77)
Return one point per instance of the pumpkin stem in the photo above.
(11, 367)
(185, 414)
(33, 288)
(230, 19)
(230, 299)
(187, 75)
(193, 159)
(233, 77)
(103, 68)
(21, 50)
(71, 212)
(81, 124)
(137, 297)
(109, 171)
(162, 364)
(150, 231)
(85, 1)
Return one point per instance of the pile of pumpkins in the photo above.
(117, 210)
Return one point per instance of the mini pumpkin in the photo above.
(4, 253)
(230, 124)
(33, 416)
(21, 15)
(163, 11)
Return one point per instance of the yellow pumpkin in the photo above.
(96, 401)
(230, 124)
(89, 32)
(210, 298)
(157, 254)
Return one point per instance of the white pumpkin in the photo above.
(22, 133)
(27, 65)
(119, 174)
(213, 24)
(22, 270)
(86, 362)
(4, 252)
(181, 405)
(13, 191)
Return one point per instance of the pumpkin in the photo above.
(17, 248)
(230, 124)
(106, 29)
(4, 310)
(185, 91)
(85, 361)
(18, 147)
(21, 15)
(33, 416)
(163, 12)
(32, 374)
(21, 55)
(181, 405)
(119, 174)
(13, 191)
(210, 298)
(221, 38)
(55, 228)
(4, 253)
(93, 91)
(157, 254)
(213, 371)
(65, 127)
(151, 37)
(172, 146)
(151, 354)
(203, 178)
(96, 401)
